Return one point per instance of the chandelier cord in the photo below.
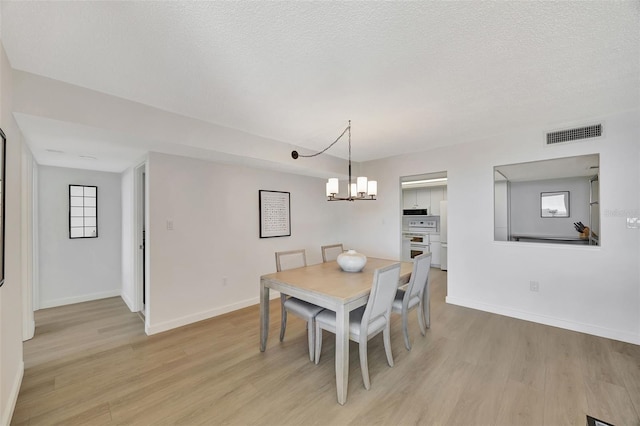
(348, 128)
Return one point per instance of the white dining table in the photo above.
(326, 285)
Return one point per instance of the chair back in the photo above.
(419, 276)
(290, 259)
(331, 252)
(383, 291)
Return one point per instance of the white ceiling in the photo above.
(410, 75)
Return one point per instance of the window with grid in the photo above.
(83, 211)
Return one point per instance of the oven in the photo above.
(415, 238)
(415, 244)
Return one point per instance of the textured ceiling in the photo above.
(410, 75)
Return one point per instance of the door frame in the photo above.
(139, 211)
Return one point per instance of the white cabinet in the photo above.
(437, 195)
(409, 200)
(417, 198)
(424, 198)
(435, 250)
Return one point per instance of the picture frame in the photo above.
(554, 204)
(3, 166)
(275, 213)
(83, 211)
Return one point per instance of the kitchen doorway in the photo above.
(424, 217)
(140, 211)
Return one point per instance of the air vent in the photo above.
(574, 134)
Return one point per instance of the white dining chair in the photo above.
(415, 296)
(307, 311)
(367, 321)
(331, 252)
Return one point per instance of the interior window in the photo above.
(550, 201)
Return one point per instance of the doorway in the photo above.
(424, 214)
(140, 212)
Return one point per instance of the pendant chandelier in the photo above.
(361, 189)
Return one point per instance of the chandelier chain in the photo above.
(348, 128)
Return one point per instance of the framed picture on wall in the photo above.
(554, 204)
(275, 214)
(3, 164)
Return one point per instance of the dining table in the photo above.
(328, 286)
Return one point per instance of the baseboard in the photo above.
(7, 412)
(79, 299)
(29, 330)
(200, 316)
(551, 321)
(128, 302)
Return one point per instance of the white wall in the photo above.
(11, 363)
(214, 210)
(501, 209)
(524, 203)
(77, 270)
(128, 239)
(28, 247)
(601, 296)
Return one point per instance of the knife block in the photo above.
(585, 233)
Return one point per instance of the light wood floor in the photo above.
(92, 364)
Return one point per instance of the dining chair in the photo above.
(367, 321)
(331, 252)
(307, 311)
(416, 295)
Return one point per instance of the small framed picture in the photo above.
(554, 204)
(275, 214)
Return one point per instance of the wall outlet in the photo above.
(534, 286)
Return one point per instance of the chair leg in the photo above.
(311, 336)
(283, 317)
(386, 336)
(364, 363)
(427, 306)
(318, 345)
(422, 321)
(405, 329)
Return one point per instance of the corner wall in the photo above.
(211, 261)
(11, 363)
(589, 289)
(82, 269)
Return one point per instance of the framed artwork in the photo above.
(275, 213)
(554, 204)
(3, 164)
(83, 211)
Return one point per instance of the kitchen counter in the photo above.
(549, 239)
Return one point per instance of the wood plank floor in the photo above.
(92, 364)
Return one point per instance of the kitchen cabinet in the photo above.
(424, 198)
(409, 200)
(437, 195)
(417, 198)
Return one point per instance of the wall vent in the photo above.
(574, 134)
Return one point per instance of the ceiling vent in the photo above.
(578, 133)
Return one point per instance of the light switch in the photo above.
(169, 225)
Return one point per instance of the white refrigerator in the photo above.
(443, 235)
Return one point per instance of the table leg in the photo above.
(264, 316)
(342, 353)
